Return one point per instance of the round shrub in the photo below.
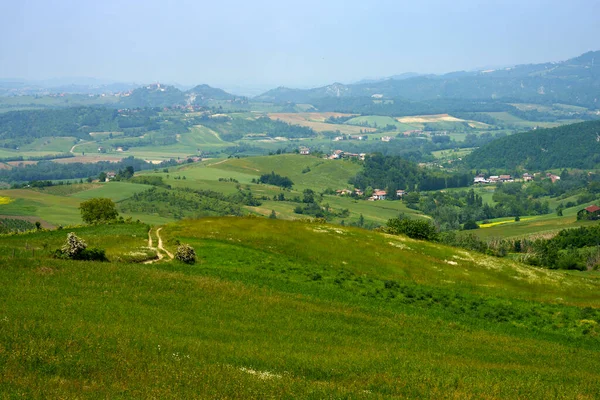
(186, 253)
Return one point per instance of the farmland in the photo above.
(316, 122)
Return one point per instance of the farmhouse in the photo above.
(505, 178)
(304, 150)
(400, 193)
(480, 179)
(553, 177)
(110, 176)
(527, 177)
(343, 192)
(336, 155)
(378, 195)
(589, 213)
(386, 138)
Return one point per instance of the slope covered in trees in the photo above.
(569, 146)
(393, 173)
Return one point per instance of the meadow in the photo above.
(287, 310)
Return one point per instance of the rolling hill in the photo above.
(284, 309)
(568, 146)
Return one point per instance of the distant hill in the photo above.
(201, 93)
(568, 146)
(574, 81)
(156, 95)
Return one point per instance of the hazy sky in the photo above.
(291, 43)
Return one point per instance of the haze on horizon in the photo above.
(307, 43)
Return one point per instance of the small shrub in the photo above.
(91, 254)
(186, 253)
(470, 225)
(73, 246)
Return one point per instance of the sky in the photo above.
(308, 43)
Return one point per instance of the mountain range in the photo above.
(575, 81)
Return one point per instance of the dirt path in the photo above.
(151, 246)
(160, 244)
(78, 144)
(217, 163)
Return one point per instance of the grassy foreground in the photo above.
(281, 309)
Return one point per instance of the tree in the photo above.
(273, 215)
(102, 176)
(98, 210)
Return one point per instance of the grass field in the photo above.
(381, 122)
(276, 309)
(51, 144)
(59, 205)
(445, 155)
(535, 226)
(323, 174)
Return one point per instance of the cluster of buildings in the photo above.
(378, 194)
(338, 154)
(350, 137)
(527, 177)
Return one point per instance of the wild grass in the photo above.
(253, 319)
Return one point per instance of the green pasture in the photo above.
(57, 210)
(536, 226)
(323, 174)
(51, 144)
(116, 191)
(279, 309)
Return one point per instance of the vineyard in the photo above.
(9, 225)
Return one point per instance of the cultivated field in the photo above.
(315, 122)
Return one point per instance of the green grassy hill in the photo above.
(289, 310)
(323, 174)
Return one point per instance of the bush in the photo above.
(186, 253)
(470, 225)
(413, 228)
(73, 246)
(92, 254)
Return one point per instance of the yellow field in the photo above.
(5, 200)
(512, 221)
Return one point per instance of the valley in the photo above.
(431, 236)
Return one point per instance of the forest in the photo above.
(567, 146)
(392, 173)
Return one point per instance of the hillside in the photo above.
(574, 81)
(289, 309)
(569, 146)
(201, 93)
(155, 95)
